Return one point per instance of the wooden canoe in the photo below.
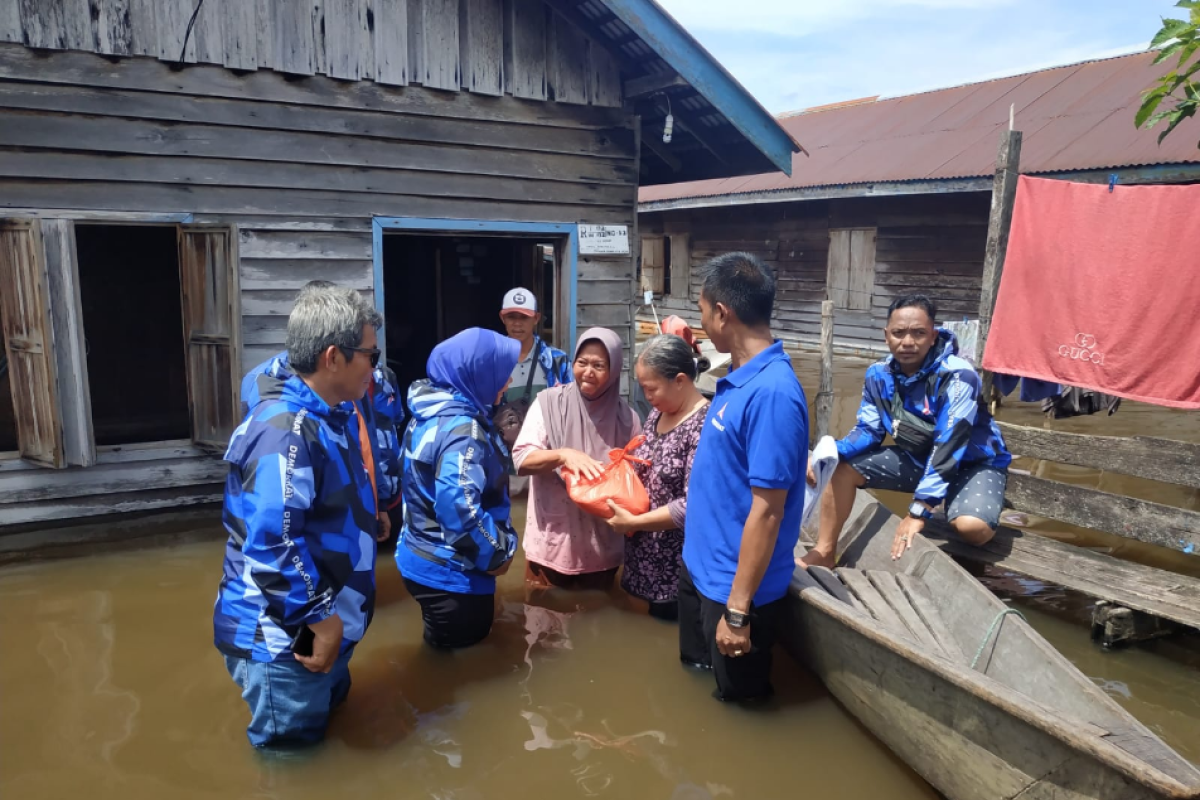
(894, 642)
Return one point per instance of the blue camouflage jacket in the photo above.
(555, 363)
(457, 524)
(381, 409)
(964, 433)
(301, 519)
(384, 414)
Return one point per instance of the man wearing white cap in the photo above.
(541, 366)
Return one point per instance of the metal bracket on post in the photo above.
(1116, 626)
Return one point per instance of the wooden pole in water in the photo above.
(825, 395)
(1004, 193)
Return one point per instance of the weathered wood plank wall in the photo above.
(482, 46)
(299, 179)
(929, 244)
(300, 167)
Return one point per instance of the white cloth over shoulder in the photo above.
(824, 460)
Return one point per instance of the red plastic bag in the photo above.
(619, 482)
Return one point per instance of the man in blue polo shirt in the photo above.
(746, 492)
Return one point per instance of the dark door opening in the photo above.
(436, 286)
(133, 327)
(8, 418)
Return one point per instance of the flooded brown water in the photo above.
(110, 688)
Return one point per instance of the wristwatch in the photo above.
(919, 510)
(736, 619)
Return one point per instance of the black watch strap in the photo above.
(735, 619)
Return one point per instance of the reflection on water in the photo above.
(111, 689)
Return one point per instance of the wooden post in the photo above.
(1004, 192)
(825, 395)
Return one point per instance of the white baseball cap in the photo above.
(520, 300)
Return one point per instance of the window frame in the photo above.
(664, 267)
(849, 247)
(212, 394)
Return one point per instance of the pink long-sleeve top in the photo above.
(558, 534)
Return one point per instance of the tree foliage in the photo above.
(1176, 96)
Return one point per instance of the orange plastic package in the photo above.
(619, 483)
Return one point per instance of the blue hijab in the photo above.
(475, 363)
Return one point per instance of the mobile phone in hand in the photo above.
(303, 644)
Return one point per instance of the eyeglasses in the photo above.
(372, 353)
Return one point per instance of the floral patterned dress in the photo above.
(652, 558)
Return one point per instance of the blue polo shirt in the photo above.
(755, 435)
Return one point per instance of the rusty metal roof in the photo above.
(1077, 117)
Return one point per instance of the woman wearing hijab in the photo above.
(573, 427)
(457, 535)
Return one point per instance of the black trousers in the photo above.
(452, 619)
(667, 611)
(745, 677)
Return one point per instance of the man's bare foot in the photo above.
(815, 558)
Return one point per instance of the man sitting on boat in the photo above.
(947, 448)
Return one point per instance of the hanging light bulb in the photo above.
(668, 128)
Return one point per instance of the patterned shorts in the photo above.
(977, 490)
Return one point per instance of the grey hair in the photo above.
(324, 317)
(669, 355)
(314, 286)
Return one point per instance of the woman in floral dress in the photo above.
(666, 371)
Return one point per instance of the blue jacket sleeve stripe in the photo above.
(955, 419)
(868, 432)
(278, 561)
(469, 529)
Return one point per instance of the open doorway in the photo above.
(129, 285)
(8, 419)
(436, 285)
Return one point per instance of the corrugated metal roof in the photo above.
(720, 129)
(1077, 117)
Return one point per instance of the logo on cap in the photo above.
(519, 298)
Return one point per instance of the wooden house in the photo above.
(173, 171)
(893, 195)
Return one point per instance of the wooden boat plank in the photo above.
(918, 594)
(872, 600)
(888, 586)
(1152, 591)
(1149, 749)
(830, 583)
(1164, 460)
(972, 742)
(1026, 724)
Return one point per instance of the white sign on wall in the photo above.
(604, 240)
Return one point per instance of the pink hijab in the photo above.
(597, 424)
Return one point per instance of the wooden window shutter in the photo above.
(681, 264)
(211, 311)
(861, 284)
(24, 295)
(837, 280)
(70, 349)
(652, 263)
(851, 276)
